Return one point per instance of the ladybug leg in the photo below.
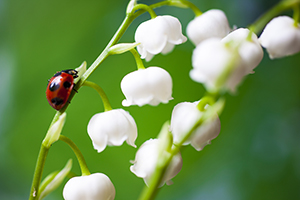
(74, 88)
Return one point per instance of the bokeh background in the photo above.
(256, 155)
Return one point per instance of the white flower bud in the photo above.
(152, 86)
(130, 6)
(210, 59)
(184, 117)
(146, 160)
(281, 37)
(54, 131)
(212, 23)
(112, 128)
(158, 35)
(91, 187)
(249, 49)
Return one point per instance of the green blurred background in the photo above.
(256, 156)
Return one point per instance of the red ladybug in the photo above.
(59, 88)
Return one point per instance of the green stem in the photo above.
(192, 6)
(150, 192)
(83, 166)
(105, 53)
(210, 100)
(296, 15)
(38, 172)
(145, 8)
(125, 24)
(260, 23)
(153, 6)
(107, 106)
(138, 60)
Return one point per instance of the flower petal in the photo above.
(146, 160)
(152, 86)
(92, 187)
(249, 49)
(212, 23)
(112, 128)
(281, 37)
(158, 35)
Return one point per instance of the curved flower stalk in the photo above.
(184, 117)
(146, 160)
(112, 128)
(281, 37)
(249, 48)
(92, 187)
(212, 23)
(152, 86)
(158, 35)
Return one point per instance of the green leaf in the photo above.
(122, 47)
(53, 180)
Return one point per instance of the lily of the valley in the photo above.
(112, 128)
(147, 158)
(158, 35)
(184, 117)
(281, 37)
(152, 86)
(224, 63)
(249, 48)
(212, 23)
(210, 60)
(91, 187)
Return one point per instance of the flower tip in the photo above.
(81, 69)
(99, 148)
(169, 182)
(126, 103)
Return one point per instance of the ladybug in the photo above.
(59, 88)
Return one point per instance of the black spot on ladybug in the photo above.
(67, 84)
(53, 86)
(57, 101)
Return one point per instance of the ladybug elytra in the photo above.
(59, 88)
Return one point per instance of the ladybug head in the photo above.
(72, 72)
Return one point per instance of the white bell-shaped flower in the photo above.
(210, 60)
(281, 37)
(146, 160)
(249, 49)
(158, 35)
(152, 86)
(91, 187)
(212, 23)
(184, 117)
(112, 128)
